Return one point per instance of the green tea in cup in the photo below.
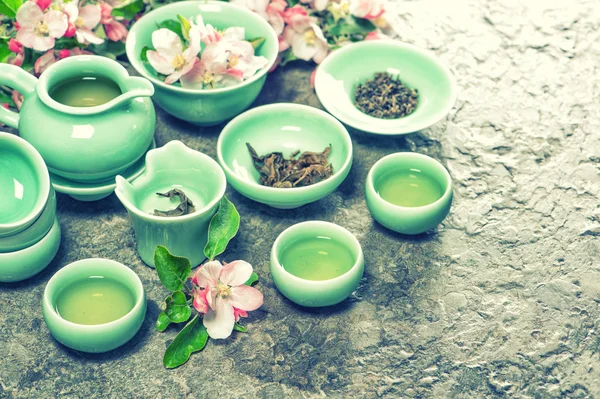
(317, 258)
(409, 188)
(95, 300)
(85, 91)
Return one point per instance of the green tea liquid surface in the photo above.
(317, 258)
(409, 188)
(96, 300)
(85, 91)
(18, 186)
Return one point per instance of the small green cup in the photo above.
(408, 220)
(311, 293)
(101, 337)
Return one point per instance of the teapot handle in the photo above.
(23, 82)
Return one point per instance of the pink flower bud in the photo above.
(71, 30)
(64, 53)
(5, 105)
(15, 46)
(43, 4)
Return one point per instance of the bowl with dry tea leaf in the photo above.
(285, 155)
(385, 87)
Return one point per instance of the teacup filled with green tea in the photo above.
(94, 300)
(85, 91)
(410, 187)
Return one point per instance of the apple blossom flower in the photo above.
(19, 53)
(44, 61)
(317, 5)
(296, 16)
(115, 30)
(82, 21)
(224, 63)
(306, 40)
(270, 10)
(39, 30)
(221, 291)
(368, 9)
(339, 10)
(169, 58)
(208, 34)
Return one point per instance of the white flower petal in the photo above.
(25, 36)
(57, 23)
(159, 63)
(235, 273)
(301, 49)
(234, 34)
(29, 15)
(43, 43)
(194, 78)
(72, 11)
(245, 298)
(90, 36)
(219, 322)
(167, 43)
(208, 273)
(90, 15)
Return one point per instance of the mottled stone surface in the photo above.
(503, 300)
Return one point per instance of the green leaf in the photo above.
(292, 3)
(177, 309)
(10, 7)
(144, 55)
(185, 26)
(252, 280)
(128, 10)
(4, 52)
(288, 56)
(172, 270)
(223, 227)
(257, 42)
(191, 339)
(239, 327)
(171, 25)
(162, 322)
(352, 26)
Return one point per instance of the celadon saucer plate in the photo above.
(88, 192)
(340, 73)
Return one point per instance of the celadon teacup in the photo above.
(85, 144)
(210, 106)
(311, 293)
(408, 220)
(173, 166)
(100, 337)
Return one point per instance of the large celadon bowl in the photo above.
(210, 106)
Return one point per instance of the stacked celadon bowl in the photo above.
(29, 229)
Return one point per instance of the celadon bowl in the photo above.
(204, 107)
(24, 184)
(312, 293)
(27, 262)
(344, 69)
(100, 337)
(169, 167)
(33, 233)
(408, 220)
(285, 128)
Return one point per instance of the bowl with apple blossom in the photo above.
(208, 60)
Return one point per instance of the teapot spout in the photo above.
(133, 87)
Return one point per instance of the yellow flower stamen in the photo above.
(208, 78)
(178, 62)
(42, 29)
(233, 61)
(79, 22)
(310, 37)
(223, 290)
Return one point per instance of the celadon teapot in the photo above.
(84, 144)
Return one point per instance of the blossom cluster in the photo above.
(227, 58)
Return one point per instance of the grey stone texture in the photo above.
(503, 300)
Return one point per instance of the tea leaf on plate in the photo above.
(162, 322)
(177, 309)
(223, 227)
(10, 7)
(191, 339)
(185, 26)
(252, 280)
(172, 270)
(257, 42)
(239, 327)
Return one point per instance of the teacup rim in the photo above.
(44, 185)
(138, 291)
(137, 65)
(287, 192)
(370, 183)
(328, 225)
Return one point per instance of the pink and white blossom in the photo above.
(222, 296)
(317, 5)
(306, 39)
(19, 53)
(208, 34)
(43, 4)
(37, 29)
(169, 58)
(368, 9)
(115, 30)
(82, 21)
(270, 10)
(44, 61)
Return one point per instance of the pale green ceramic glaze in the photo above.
(24, 184)
(285, 128)
(340, 73)
(25, 263)
(408, 220)
(316, 293)
(168, 167)
(87, 192)
(101, 337)
(204, 107)
(83, 144)
(33, 233)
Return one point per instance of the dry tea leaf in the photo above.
(280, 172)
(385, 97)
(185, 206)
